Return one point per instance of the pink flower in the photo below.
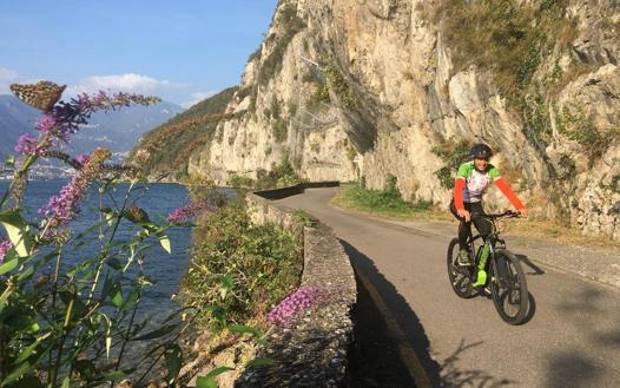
(5, 245)
(296, 303)
(83, 159)
(187, 212)
(28, 145)
(46, 123)
(61, 208)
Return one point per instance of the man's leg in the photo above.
(464, 234)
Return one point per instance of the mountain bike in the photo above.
(505, 277)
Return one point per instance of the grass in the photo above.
(387, 202)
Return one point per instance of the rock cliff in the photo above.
(364, 89)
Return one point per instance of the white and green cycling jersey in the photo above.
(477, 181)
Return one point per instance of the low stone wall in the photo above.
(312, 350)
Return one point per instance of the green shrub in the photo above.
(291, 25)
(280, 175)
(321, 94)
(338, 84)
(576, 126)
(244, 268)
(536, 120)
(279, 129)
(453, 154)
(239, 181)
(509, 37)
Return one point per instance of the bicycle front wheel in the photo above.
(460, 277)
(509, 287)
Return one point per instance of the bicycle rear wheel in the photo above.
(509, 287)
(460, 277)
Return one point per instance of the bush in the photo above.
(291, 25)
(279, 129)
(388, 200)
(244, 268)
(576, 126)
(453, 154)
(507, 36)
(239, 181)
(281, 175)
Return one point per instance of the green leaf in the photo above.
(117, 297)
(17, 373)
(9, 264)
(23, 356)
(156, 333)
(260, 361)
(17, 230)
(208, 381)
(165, 243)
(174, 361)
(244, 329)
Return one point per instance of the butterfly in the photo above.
(43, 95)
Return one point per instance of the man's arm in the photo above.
(512, 197)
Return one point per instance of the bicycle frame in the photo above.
(491, 242)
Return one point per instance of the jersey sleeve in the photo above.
(494, 173)
(463, 171)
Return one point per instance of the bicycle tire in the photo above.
(461, 285)
(509, 286)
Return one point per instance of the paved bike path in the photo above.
(572, 340)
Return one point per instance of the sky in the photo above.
(182, 51)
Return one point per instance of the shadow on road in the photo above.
(526, 260)
(374, 340)
(587, 309)
(374, 358)
(452, 376)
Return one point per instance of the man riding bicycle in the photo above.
(472, 180)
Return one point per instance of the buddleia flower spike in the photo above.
(43, 95)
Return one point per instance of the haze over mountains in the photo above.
(118, 131)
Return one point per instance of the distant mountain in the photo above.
(15, 119)
(118, 131)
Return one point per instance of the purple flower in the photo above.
(295, 303)
(28, 145)
(61, 208)
(46, 123)
(5, 245)
(66, 118)
(187, 212)
(83, 159)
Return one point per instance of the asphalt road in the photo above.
(572, 339)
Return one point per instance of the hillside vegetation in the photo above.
(166, 149)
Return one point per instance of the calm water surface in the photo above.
(158, 200)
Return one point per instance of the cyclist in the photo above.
(472, 180)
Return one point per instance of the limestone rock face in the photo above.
(365, 89)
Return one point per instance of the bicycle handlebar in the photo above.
(507, 214)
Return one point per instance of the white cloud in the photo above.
(129, 82)
(197, 97)
(7, 76)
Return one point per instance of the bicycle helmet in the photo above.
(481, 151)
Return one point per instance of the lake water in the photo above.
(158, 200)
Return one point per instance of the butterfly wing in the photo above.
(43, 95)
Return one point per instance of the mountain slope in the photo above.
(167, 148)
(364, 91)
